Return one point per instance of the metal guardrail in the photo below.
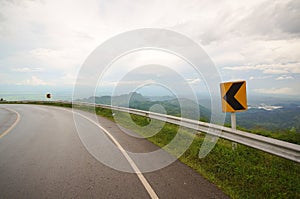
(277, 147)
(273, 146)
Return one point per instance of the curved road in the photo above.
(42, 156)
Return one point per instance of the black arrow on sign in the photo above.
(229, 97)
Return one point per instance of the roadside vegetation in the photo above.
(241, 173)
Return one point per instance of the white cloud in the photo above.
(68, 79)
(26, 69)
(252, 40)
(239, 68)
(273, 19)
(284, 77)
(288, 91)
(259, 77)
(64, 59)
(35, 81)
(268, 68)
(275, 71)
(195, 81)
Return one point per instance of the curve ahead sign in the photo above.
(234, 97)
(48, 95)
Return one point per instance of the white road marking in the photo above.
(13, 125)
(140, 175)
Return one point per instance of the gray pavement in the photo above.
(43, 157)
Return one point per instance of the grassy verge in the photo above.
(285, 135)
(242, 173)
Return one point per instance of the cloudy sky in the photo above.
(43, 43)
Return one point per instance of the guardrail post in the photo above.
(148, 117)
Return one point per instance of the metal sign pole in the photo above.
(233, 126)
(234, 99)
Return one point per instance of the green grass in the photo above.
(242, 173)
(285, 135)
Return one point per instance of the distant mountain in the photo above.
(176, 107)
(121, 100)
(161, 98)
(271, 117)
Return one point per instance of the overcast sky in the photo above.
(45, 42)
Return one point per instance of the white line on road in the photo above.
(13, 125)
(141, 177)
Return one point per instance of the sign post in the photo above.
(233, 126)
(234, 99)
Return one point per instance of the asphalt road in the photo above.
(42, 156)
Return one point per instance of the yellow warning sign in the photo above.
(234, 97)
